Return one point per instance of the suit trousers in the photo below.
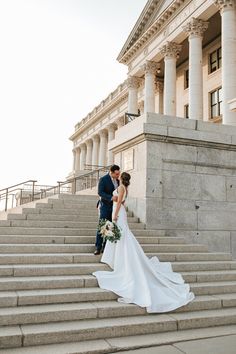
(105, 213)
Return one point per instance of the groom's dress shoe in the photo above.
(97, 252)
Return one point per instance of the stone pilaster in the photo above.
(171, 52)
(228, 18)
(150, 69)
(195, 29)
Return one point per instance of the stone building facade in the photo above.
(181, 59)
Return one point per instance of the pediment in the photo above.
(152, 10)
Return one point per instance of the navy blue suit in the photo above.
(105, 190)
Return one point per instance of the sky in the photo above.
(57, 62)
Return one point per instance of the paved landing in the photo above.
(218, 345)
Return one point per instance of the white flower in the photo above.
(109, 233)
(109, 225)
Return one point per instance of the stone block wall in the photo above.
(183, 177)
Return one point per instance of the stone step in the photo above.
(51, 269)
(57, 204)
(89, 309)
(74, 295)
(84, 280)
(70, 331)
(210, 276)
(84, 248)
(88, 268)
(63, 224)
(59, 217)
(67, 312)
(75, 268)
(81, 212)
(68, 231)
(53, 296)
(15, 239)
(52, 258)
(112, 345)
(76, 197)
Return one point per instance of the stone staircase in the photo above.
(50, 302)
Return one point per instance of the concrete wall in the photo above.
(184, 177)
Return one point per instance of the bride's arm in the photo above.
(121, 193)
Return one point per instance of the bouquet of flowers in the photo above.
(109, 230)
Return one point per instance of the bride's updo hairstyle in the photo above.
(125, 178)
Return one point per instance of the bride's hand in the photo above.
(115, 218)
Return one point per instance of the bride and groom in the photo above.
(135, 278)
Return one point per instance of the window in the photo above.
(186, 111)
(215, 60)
(216, 103)
(186, 79)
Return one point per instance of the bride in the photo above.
(136, 278)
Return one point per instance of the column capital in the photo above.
(103, 133)
(95, 138)
(195, 27)
(112, 127)
(150, 67)
(89, 142)
(171, 50)
(82, 146)
(225, 5)
(133, 82)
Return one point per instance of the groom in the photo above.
(107, 184)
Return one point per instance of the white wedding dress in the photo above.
(138, 279)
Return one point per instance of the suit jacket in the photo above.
(105, 189)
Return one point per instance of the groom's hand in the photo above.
(115, 198)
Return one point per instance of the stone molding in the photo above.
(171, 50)
(195, 27)
(129, 50)
(225, 5)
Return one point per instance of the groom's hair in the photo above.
(114, 168)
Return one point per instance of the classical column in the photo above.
(76, 153)
(228, 44)
(195, 29)
(95, 139)
(171, 52)
(150, 69)
(159, 97)
(111, 136)
(89, 144)
(133, 84)
(103, 148)
(82, 157)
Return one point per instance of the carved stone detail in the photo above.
(133, 82)
(195, 27)
(171, 50)
(150, 67)
(225, 5)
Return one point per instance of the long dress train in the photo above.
(138, 279)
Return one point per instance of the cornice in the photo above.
(126, 55)
(107, 105)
